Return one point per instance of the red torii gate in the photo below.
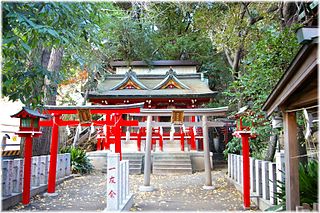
(117, 122)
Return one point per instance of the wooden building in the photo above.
(159, 85)
(296, 90)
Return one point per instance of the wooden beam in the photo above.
(187, 124)
(291, 160)
(220, 111)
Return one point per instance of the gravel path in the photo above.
(173, 193)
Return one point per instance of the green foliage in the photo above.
(30, 28)
(308, 186)
(264, 64)
(308, 180)
(79, 161)
(233, 147)
(281, 195)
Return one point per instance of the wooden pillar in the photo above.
(291, 161)
(27, 170)
(207, 166)
(147, 159)
(53, 156)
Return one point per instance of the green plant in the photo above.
(80, 163)
(308, 186)
(233, 146)
(281, 195)
(308, 180)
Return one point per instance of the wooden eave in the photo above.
(31, 113)
(296, 81)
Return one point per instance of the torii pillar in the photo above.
(207, 167)
(147, 159)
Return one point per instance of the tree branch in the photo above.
(226, 52)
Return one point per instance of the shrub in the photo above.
(308, 179)
(80, 163)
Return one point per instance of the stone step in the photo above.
(168, 171)
(156, 158)
(176, 165)
(171, 162)
(135, 171)
(135, 166)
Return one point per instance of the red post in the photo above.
(117, 134)
(139, 140)
(53, 157)
(98, 143)
(182, 140)
(246, 170)
(27, 170)
(107, 140)
(192, 139)
(160, 142)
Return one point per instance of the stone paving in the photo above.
(173, 193)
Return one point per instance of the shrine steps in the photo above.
(135, 162)
(171, 163)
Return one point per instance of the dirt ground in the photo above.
(172, 193)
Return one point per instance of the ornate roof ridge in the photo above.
(171, 75)
(130, 76)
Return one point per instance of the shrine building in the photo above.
(165, 84)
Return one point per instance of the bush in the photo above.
(79, 161)
(308, 179)
(308, 186)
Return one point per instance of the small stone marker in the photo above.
(113, 182)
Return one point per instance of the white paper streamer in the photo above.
(183, 128)
(161, 130)
(76, 137)
(68, 130)
(194, 130)
(105, 129)
(171, 136)
(172, 130)
(127, 136)
(91, 128)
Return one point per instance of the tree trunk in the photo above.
(272, 146)
(51, 60)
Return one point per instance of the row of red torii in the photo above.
(116, 122)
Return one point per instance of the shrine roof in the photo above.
(32, 113)
(155, 63)
(195, 87)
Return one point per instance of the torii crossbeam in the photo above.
(107, 110)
